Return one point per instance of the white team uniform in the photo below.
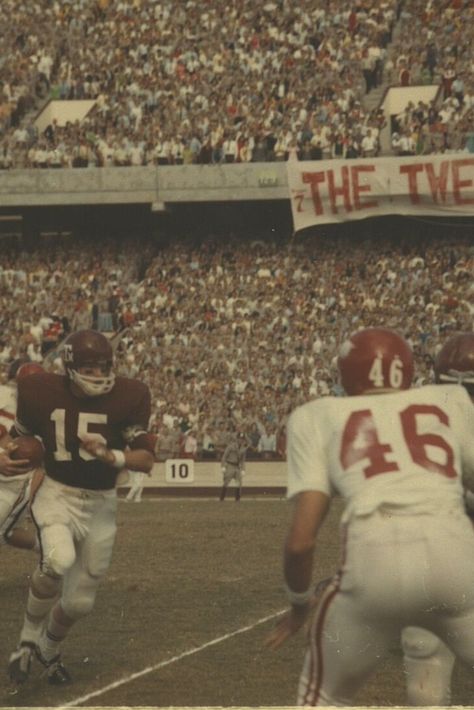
(14, 491)
(398, 460)
(137, 481)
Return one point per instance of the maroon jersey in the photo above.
(47, 407)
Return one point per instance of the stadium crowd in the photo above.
(230, 334)
(235, 82)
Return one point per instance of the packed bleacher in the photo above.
(183, 83)
(232, 334)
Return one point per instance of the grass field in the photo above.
(184, 607)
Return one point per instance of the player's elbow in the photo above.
(148, 461)
(140, 460)
(299, 547)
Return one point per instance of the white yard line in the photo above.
(168, 662)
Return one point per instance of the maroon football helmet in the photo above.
(375, 360)
(27, 369)
(455, 361)
(89, 348)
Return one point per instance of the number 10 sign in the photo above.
(179, 471)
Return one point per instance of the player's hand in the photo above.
(296, 617)
(13, 467)
(289, 624)
(96, 447)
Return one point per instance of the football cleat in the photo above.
(19, 663)
(56, 672)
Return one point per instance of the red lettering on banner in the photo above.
(349, 181)
(332, 191)
(298, 196)
(344, 190)
(412, 170)
(438, 184)
(357, 188)
(314, 179)
(458, 184)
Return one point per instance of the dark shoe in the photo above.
(56, 671)
(19, 663)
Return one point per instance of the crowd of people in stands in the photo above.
(231, 335)
(229, 82)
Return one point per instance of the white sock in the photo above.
(36, 612)
(51, 638)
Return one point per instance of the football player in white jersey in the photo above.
(428, 661)
(399, 457)
(15, 475)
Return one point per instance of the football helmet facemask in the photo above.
(375, 360)
(89, 348)
(455, 361)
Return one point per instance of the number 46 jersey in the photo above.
(409, 450)
(47, 408)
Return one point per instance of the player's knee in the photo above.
(59, 552)
(419, 643)
(79, 605)
(79, 600)
(44, 585)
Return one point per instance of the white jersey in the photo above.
(409, 451)
(8, 398)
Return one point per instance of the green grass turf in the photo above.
(185, 572)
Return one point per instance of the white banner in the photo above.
(341, 190)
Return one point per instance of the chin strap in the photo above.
(92, 386)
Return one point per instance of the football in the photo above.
(28, 447)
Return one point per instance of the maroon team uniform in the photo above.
(47, 408)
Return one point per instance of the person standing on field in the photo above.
(428, 662)
(233, 466)
(93, 425)
(400, 458)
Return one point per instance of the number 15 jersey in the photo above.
(48, 408)
(406, 450)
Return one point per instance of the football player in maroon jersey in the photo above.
(92, 424)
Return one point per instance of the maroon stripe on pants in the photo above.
(312, 695)
(21, 497)
(38, 529)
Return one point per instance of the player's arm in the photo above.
(134, 459)
(140, 456)
(224, 456)
(308, 486)
(308, 515)
(140, 452)
(9, 466)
